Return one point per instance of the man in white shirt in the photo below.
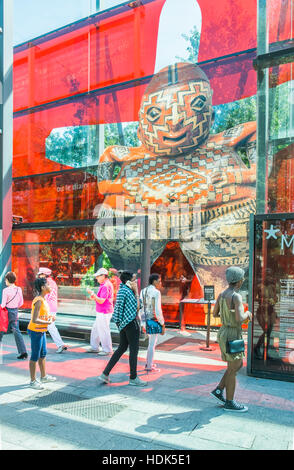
(151, 309)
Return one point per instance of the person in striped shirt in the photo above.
(125, 316)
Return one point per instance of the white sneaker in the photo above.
(92, 350)
(153, 368)
(104, 353)
(104, 378)
(61, 349)
(48, 378)
(137, 382)
(36, 385)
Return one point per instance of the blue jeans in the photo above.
(14, 325)
(38, 345)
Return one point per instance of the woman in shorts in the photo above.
(229, 308)
(37, 328)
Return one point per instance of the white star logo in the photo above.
(272, 232)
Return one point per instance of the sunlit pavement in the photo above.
(174, 411)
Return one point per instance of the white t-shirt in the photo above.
(151, 304)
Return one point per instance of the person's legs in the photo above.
(230, 378)
(42, 366)
(33, 370)
(42, 359)
(54, 333)
(36, 346)
(13, 322)
(42, 363)
(133, 335)
(94, 338)
(230, 385)
(103, 321)
(123, 346)
(151, 350)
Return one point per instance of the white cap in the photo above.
(101, 271)
(45, 271)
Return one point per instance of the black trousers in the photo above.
(128, 337)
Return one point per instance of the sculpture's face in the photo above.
(176, 119)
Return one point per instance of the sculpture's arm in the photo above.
(109, 166)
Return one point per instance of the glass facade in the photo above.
(273, 322)
(146, 108)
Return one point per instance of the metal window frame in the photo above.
(6, 137)
(254, 219)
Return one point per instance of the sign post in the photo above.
(208, 297)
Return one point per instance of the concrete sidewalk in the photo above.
(175, 410)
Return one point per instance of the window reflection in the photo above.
(273, 290)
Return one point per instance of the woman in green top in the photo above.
(229, 308)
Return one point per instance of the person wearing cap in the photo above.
(229, 308)
(100, 332)
(52, 300)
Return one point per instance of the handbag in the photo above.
(153, 327)
(3, 319)
(4, 322)
(235, 346)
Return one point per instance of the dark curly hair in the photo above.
(39, 283)
(126, 276)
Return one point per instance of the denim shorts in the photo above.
(38, 345)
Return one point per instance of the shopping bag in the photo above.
(3, 319)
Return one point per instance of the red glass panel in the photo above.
(122, 47)
(69, 234)
(280, 20)
(68, 196)
(31, 130)
(98, 52)
(69, 262)
(228, 26)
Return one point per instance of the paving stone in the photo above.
(226, 436)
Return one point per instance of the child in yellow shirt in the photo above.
(40, 319)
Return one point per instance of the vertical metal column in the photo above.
(262, 155)
(6, 137)
(145, 268)
(262, 111)
(250, 294)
